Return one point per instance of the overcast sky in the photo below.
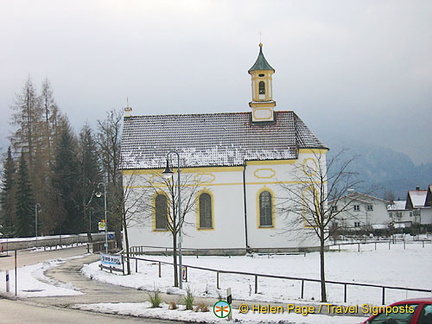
(361, 70)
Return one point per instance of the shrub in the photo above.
(155, 298)
(188, 299)
(202, 308)
(172, 306)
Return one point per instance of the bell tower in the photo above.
(262, 103)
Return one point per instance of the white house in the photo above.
(398, 213)
(361, 210)
(419, 202)
(234, 164)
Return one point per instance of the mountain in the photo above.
(383, 170)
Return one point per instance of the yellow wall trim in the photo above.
(185, 170)
(229, 184)
(313, 151)
(271, 162)
(264, 173)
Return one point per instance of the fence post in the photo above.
(345, 293)
(160, 269)
(358, 247)
(383, 296)
(256, 284)
(7, 281)
(16, 273)
(302, 288)
(217, 280)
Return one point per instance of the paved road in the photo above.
(28, 257)
(17, 312)
(34, 309)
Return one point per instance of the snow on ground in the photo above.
(145, 310)
(393, 265)
(33, 283)
(397, 266)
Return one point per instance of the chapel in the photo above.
(233, 168)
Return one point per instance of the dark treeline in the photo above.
(51, 171)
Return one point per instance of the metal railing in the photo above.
(256, 277)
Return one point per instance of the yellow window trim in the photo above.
(258, 208)
(204, 190)
(157, 193)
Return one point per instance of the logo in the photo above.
(221, 309)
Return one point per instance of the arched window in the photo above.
(261, 87)
(205, 211)
(265, 209)
(161, 212)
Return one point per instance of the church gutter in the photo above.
(245, 207)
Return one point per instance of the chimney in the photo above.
(418, 188)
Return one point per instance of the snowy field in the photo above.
(397, 266)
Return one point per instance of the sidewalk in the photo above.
(97, 292)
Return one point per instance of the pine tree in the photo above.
(90, 176)
(51, 117)
(28, 120)
(7, 197)
(66, 184)
(48, 133)
(24, 201)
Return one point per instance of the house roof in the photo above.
(397, 205)
(261, 63)
(429, 196)
(416, 199)
(219, 139)
(363, 198)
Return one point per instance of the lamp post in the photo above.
(167, 173)
(99, 194)
(90, 219)
(38, 209)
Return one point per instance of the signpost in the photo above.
(229, 301)
(112, 262)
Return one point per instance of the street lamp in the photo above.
(38, 209)
(168, 173)
(99, 194)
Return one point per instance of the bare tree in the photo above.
(312, 200)
(109, 143)
(133, 205)
(159, 186)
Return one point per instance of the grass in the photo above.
(188, 299)
(155, 299)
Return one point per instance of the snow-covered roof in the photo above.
(417, 198)
(362, 198)
(429, 196)
(219, 139)
(397, 205)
